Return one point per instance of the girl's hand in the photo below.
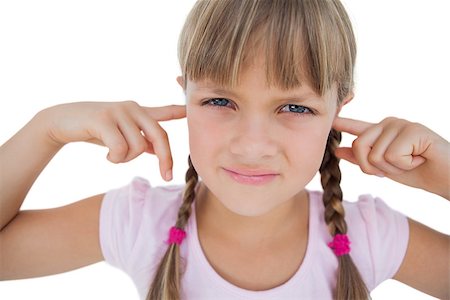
(406, 152)
(126, 128)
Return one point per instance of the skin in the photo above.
(403, 151)
(257, 131)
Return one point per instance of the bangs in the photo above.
(298, 41)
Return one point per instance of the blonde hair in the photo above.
(302, 41)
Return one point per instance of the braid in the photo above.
(349, 282)
(167, 281)
(332, 192)
(185, 209)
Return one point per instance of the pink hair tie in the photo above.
(340, 244)
(176, 235)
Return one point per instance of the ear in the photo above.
(346, 100)
(180, 81)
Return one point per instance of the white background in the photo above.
(61, 51)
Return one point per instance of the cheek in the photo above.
(206, 138)
(305, 147)
(301, 142)
(196, 134)
(203, 132)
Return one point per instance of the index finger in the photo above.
(166, 113)
(352, 126)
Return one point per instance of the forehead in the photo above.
(252, 80)
(244, 88)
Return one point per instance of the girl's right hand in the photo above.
(126, 128)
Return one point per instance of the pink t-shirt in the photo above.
(135, 221)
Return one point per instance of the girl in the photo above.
(264, 83)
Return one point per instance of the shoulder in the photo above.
(135, 218)
(139, 198)
(378, 234)
(366, 210)
(367, 215)
(374, 213)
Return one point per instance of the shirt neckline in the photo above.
(208, 271)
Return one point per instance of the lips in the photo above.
(252, 176)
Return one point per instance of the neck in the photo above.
(213, 218)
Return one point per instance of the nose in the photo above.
(253, 139)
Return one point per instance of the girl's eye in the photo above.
(220, 102)
(299, 109)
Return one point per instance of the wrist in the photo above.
(42, 129)
(439, 180)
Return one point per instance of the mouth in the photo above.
(252, 177)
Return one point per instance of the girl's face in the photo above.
(256, 146)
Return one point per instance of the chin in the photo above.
(252, 209)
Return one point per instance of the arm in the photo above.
(50, 241)
(36, 243)
(426, 265)
(33, 243)
(414, 155)
(31, 145)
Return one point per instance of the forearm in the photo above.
(125, 128)
(22, 159)
(437, 180)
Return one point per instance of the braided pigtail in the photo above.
(349, 282)
(167, 281)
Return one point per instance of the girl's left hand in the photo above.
(403, 151)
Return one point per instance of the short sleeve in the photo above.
(380, 235)
(120, 219)
(134, 222)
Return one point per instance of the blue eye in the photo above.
(220, 102)
(293, 108)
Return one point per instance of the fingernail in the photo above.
(169, 175)
(381, 175)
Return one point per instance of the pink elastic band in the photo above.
(340, 244)
(176, 235)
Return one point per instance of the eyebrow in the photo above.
(297, 97)
(222, 91)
